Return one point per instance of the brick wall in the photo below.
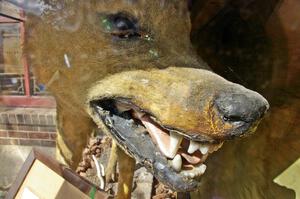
(27, 126)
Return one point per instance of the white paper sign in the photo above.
(27, 194)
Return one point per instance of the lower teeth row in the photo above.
(176, 164)
(197, 171)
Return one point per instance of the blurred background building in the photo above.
(27, 112)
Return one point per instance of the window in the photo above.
(11, 67)
(18, 87)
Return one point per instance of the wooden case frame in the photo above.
(67, 174)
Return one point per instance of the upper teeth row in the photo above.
(170, 150)
(175, 141)
(176, 163)
(194, 146)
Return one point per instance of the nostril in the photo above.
(232, 118)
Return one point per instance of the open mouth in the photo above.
(171, 155)
(184, 155)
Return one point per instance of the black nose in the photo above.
(244, 107)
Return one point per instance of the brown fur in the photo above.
(93, 55)
(161, 74)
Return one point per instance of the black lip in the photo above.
(140, 146)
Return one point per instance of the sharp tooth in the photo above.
(175, 141)
(192, 175)
(194, 146)
(177, 163)
(202, 168)
(204, 148)
(168, 144)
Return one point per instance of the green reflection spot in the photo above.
(107, 25)
(148, 38)
(154, 53)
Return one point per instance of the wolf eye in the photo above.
(124, 24)
(121, 25)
